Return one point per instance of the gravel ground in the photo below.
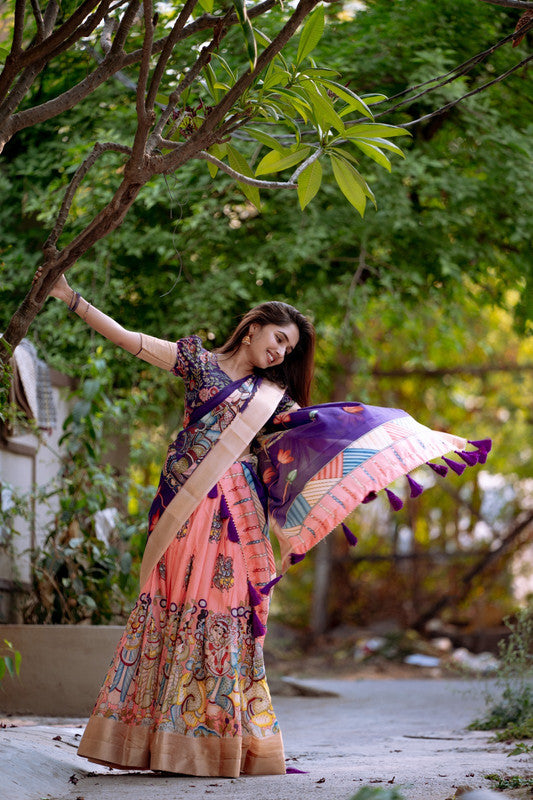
(408, 733)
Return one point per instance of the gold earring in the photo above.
(246, 339)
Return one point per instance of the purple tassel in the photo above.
(440, 469)
(481, 457)
(416, 488)
(296, 557)
(224, 509)
(458, 468)
(485, 445)
(370, 496)
(351, 538)
(258, 629)
(212, 493)
(294, 771)
(469, 457)
(394, 500)
(233, 534)
(255, 598)
(268, 586)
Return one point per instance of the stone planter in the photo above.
(62, 668)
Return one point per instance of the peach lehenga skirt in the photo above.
(186, 691)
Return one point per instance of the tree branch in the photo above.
(171, 41)
(204, 58)
(38, 19)
(75, 26)
(298, 171)
(124, 28)
(244, 178)
(479, 89)
(77, 178)
(520, 5)
(442, 80)
(205, 133)
(18, 32)
(144, 71)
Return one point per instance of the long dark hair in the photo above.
(296, 370)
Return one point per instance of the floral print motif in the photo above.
(216, 527)
(223, 577)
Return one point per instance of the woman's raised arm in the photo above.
(159, 352)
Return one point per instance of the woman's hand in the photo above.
(60, 289)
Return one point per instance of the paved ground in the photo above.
(410, 733)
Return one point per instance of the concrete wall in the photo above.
(62, 668)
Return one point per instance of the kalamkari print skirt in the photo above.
(186, 691)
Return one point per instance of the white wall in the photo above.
(24, 461)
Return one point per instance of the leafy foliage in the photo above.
(512, 714)
(77, 575)
(378, 793)
(10, 660)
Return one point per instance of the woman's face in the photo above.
(271, 343)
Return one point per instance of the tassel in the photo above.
(370, 496)
(481, 457)
(394, 500)
(416, 488)
(440, 469)
(233, 534)
(485, 445)
(268, 586)
(351, 538)
(255, 598)
(212, 493)
(224, 509)
(296, 557)
(258, 629)
(458, 468)
(469, 457)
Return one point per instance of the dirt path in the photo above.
(403, 732)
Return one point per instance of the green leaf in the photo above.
(309, 183)
(276, 161)
(318, 72)
(238, 162)
(211, 80)
(2, 667)
(225, 66)
(325, 114)
(348, 180)
(299, 104)
(372, 129)
(374, 153)
(385, 145)
(207, 5)
(311, 34)
(240, 10)
(18, 660)
(353, 100)
(278, 77)
(371, 99)
(251, 44)
(248, 31)
(264, 138)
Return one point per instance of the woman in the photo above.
(186, 691)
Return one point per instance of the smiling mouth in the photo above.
(270, 357)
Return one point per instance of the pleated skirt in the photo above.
(186, 691)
